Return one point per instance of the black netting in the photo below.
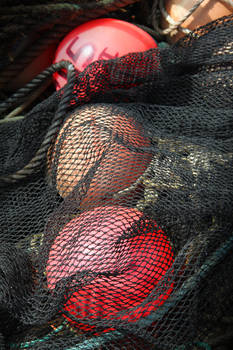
(121, 237)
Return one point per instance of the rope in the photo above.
(27, 56)
(97, 342)
(28, 88)
(188, 285)
(31, 343)
(149, 30)
(190, 346)
(85, 345)
(36, 161)
(59, 27)
(174, 27)
(18, 10)
(203, 345)
(35, 9)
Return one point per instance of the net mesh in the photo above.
(122, 238)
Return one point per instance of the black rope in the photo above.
(23, 93)
(36, 161)
(58, 27)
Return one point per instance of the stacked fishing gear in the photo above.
(116, 188)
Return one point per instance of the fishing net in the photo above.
(176, 19)
(116, 203)
(31, 30)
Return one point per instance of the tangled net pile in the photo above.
(119, 235)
